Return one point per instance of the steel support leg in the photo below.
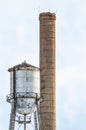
(12, 120)
(35, 120)
(38, 114)
(25, 122)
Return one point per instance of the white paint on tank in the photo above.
(25, 81)
(11, 82)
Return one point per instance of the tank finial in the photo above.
(24, 62)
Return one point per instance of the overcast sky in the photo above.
(19, 41)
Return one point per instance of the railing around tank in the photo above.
(10, 97)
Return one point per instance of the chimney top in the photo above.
(47, 15)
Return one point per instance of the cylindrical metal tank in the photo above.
(24, 87)
(47, 70)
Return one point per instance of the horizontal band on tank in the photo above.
(22, 95)
(47, 15)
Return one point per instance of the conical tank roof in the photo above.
(23, 66)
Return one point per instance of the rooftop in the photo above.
(24, 65)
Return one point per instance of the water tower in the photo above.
(24, 95)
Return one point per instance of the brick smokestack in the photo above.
(47, 70)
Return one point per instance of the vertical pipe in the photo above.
(13, 105)
(14, 89)
(24, 121)
(38, 114)
(12, 119)
(47, 70)
(35, 120)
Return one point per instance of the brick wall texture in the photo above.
(47, 70)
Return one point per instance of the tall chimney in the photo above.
(47, 70)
